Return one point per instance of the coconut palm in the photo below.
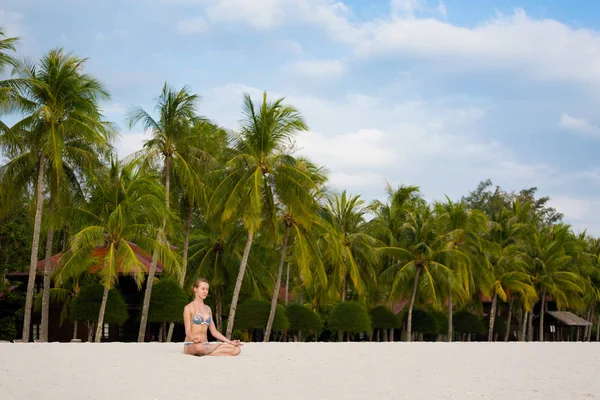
(7, 45)
(548, 257)
(206, 151)
(169, 144)
(125, 210)
(348, 246)
(424, 259)
(298, 215)
(61, 137)
(259, 172)
(463, 230)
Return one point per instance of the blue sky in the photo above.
(441, 94)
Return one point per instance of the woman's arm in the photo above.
(213, 330)
(187, 322)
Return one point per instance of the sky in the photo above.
(438, 94)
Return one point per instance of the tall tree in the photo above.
(125, 210)
(169, 142)
(260, 170)
(298, 215)
(61, 137)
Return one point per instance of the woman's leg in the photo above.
(201, 349)
(226, 350)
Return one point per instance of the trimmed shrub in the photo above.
(467, 322)
(303, 318)
(254, 314)
(86, 305)
(382, 318)
(167, 301)
(441, 319)
(350, 317)
(424, 322)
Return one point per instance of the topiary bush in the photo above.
(424, 322)
(382, 318)
(86, 305)
(467, 322)
(254, 314)
(350, 317)
(167, 301)
(441, 320)
(303, 318)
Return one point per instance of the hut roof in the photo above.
(568, 318)
(142, 255)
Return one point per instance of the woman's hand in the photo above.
(236, 343)
(196, 339)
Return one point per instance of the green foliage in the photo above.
(441, 320)
(253, 314)
(467, 322)
(424, 322)
(350, 317)
(86, 305)
(382, 318)
(167, 301)
(302, 318)
(15, 241)
(8, 328)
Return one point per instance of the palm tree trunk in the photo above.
(588, 329)
(508, 319)
(411, 305)
(598, 328)
(449, 316)
(161, 330)
(75, 329)
(101, 315)
(147, 294)
(34, 250)
(275, 297)
(219, 310)
(186, 247)
(162, 237)
(90, 327)
(523, 327)
(543, 305)
(287, 283)
(238, 285)
(530, 326)
(492, 317)
(47, 270)
(343, 291)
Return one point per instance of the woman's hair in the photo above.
(198, 281)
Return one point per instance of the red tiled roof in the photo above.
(99, 252)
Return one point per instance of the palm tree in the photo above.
(463, 230)
(206, 150)
(423, 258)
(126, 207)
(259, 171)
(170, 140)
(548, 258)
(6, 45)
(61, 137)
(298, 216)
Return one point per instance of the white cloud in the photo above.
(581, 213)
(113, 109)
(579, 126)
(545, 49)
(129, 143)
(319, 68)
(261, 14)
(192, 25)
(99, 36)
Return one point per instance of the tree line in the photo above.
(243, 209)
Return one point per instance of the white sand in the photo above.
(363, 371)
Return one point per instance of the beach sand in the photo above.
(301, 371)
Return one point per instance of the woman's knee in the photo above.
(237, 351)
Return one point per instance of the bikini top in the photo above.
(199, 320)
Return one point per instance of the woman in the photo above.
(197, 318)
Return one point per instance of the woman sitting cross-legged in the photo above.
(197, 318)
